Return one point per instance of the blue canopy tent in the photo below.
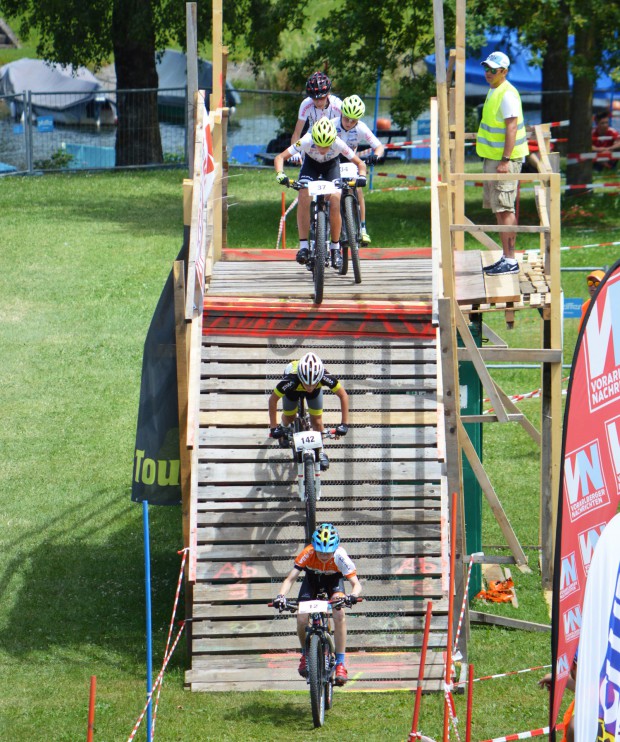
(524, 75)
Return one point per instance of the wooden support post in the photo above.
(442, 89)
(459, 120)
(451, 405)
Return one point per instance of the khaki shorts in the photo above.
(500, 195)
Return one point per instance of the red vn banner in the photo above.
(590, 479)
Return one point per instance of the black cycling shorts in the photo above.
(313, 170)
(313, 583)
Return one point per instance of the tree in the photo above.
(88, 33)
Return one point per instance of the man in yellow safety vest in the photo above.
(502, 143)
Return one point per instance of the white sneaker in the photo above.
(365, 237)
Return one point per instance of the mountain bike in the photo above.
(320, 651)
(318, 249)
(307, 445)
(351, 234)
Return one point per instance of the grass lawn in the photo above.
(84, 260)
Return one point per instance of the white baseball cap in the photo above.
(497, 60)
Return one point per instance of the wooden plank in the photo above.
(333, 354)
(283, 533)
(357, 403)
(468, 277)
(362, 436)
(470, 227)
(256, 519)
(308, 343)
(362, 370)
(242, 418)
(361, 471)
(262, 385)
(370, 606)
(355, 642)
(274, 624)
(359, 685)
(323, 505)
(422, 566)
(427, 588)
(426, 543)
(274, 454)
(341, 491)
(504, 287)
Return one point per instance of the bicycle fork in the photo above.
(315, 472)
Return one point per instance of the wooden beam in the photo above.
(527, 177)
(496, 228)
(483, 373)
(510, 355)
(483, 238)
(492, 498)
(489, 619)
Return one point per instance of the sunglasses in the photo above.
(491, 71)
(593, 282)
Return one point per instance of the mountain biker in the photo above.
(354, 132)
(319, 103)
(306, 378)
(326, 565)
(323, 150)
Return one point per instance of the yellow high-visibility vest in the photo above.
(492, 131)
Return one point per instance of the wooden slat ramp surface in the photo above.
(383, 490)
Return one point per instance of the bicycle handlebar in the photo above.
(291, 604)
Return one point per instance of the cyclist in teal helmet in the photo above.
(327, 565)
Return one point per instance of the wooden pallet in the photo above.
(383, 491)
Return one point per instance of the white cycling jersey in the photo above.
(306, 146)
(359, 134)
(310, 113)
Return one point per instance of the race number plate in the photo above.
(314, 606)
(348, 170)
(321, 187)
(307, 439)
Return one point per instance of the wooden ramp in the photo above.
(384, 489)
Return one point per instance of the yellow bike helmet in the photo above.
(324, 133)
(353, 107)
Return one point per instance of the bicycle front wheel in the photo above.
(316, 671)
(320, 254)
(310, 493)
(353, 233)
(329, 683)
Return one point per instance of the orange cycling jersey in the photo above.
(340, 562)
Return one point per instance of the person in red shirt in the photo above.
(326, 565)
(606, 142)
(593, 279)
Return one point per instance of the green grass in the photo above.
(84, 261)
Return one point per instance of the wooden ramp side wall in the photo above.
(383, 490)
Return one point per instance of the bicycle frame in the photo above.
(305, 442)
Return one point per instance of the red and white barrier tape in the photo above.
(505, 674)
(402, 176)
(170, 629)
(597, 244)
(518, 397)
(524, 735)
(598, 156)
(158, 680)
(282, 220)
(465, 599)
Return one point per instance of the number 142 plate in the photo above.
(307, 439)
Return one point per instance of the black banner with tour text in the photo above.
(156, 463)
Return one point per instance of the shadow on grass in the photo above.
(69, 589)
(284, 711)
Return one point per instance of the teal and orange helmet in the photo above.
(325, 538)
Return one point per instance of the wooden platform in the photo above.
(478, 292)
(383, 491)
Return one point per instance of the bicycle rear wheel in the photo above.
(316, 670)
(353, 233)
(320, 253)
(310, 494)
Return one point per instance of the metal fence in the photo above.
(61, 131)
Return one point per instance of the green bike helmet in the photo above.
(353, 107)
(324, 132)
